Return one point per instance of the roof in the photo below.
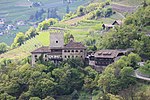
(46, 50)
(108, 25)
(119, 22)
(107, 53)
(71, 36)
(73, 44)
(43, 49)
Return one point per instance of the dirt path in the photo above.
(74, 20)
(123, 8)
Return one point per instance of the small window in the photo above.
(65, 56)
(81, 56)
(45, 55)
(76, 50)
(56, 41)
(45, 59)
(68, 50)
(68, 56)
(72, 51)
(72, 56)
(35, 56)
(81, 51)
(65, 51)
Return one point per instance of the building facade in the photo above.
(57, 51)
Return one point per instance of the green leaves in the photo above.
(3, 47)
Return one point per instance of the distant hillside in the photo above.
(31, 12)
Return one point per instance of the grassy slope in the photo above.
(81, 31)
(30, 45)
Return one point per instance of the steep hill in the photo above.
(26, 10)
(83, 30)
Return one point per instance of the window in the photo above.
(76, 50)
(81, 51)
(81, 56)
(72, 56)
(45, 55)
(56, 41)
(35, 56)
(68, 56)
(65, 51)
(72, 51)
(68, 50)
(65, 56)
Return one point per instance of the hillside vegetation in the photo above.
(23, 10)
(71, 79)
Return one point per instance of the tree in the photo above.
(81, 11)
(134, 59)
(31, 32)
(127, 71)
(46, 24)
(34, 98)
(49, 98)
(43, 88)
(19, 39)
(3, 47)
(67, 9)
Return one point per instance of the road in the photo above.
(141, 77)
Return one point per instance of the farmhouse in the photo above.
(110, 26)
(57, 51)
(117, 22)
(107, 26)
(106, 57)
(102, 58)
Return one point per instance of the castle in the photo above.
(57, 51)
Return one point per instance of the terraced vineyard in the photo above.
(15, 10)
(30, 45)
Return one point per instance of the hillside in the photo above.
(24, 11)
(79, 27)
(118, 43)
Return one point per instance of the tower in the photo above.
(71, 38)
(56, 39)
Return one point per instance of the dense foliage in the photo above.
(132, 34)
(32, 32)
(93, 11)
(3, 47)
(19, 80)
